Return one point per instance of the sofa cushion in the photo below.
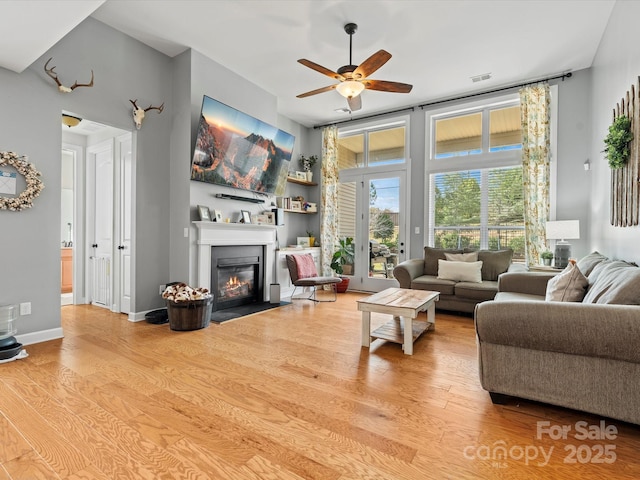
(586, 264)
(460, 271)
(431, 282)
(431, 257)
(481, 292)
(494, 262)
(461, 257)
(614, 282)
(570, 285)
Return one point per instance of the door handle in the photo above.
(120, 247)
(95, 245)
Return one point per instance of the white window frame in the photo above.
(482, 160)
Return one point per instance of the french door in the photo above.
(372, 210)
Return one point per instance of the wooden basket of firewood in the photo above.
(188, 308)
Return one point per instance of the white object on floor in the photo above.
(23, 354)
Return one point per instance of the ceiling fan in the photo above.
(353, 78)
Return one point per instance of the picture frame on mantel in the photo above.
(217, 215)
(245, 216)
(204, 214)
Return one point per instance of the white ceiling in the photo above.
(437, 45)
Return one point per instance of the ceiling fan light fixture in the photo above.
(350, 88)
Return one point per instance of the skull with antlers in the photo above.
(62, 88)
(138, 113)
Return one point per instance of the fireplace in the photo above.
(237, 274)
(222, 234)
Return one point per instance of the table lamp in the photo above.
(562, 230)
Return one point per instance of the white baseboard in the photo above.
(41, 336)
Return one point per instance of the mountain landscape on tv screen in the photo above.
(249, 162)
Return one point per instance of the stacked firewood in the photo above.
(181, 292)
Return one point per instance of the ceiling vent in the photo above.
(482, 77)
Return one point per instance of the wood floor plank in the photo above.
(285, 394)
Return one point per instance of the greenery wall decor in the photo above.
(617, 150)
(623, 154)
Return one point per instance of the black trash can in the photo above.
(157, 317)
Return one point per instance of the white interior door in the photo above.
(123, 226)
(100, 226)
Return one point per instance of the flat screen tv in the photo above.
(236, 150)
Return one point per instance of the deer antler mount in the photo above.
(51, 72)
(138, 113)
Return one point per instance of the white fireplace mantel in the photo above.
(211, 234)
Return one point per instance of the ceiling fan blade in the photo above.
(315, 92)
(321, 69)
(355, 103)
(384, 86)
(371, 64)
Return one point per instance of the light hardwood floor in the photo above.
(286, 394)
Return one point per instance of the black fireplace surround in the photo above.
(237, 273)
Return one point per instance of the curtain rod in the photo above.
(453, 99)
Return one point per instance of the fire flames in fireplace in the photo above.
(236, 287)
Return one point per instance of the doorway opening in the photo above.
(96, 215)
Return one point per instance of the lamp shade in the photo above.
(350, 88)
(563, 229)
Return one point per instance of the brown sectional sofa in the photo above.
(460, 296)
(582, 355)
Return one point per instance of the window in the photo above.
(478, 209)
(475, 177)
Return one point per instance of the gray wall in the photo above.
(615, 68)
(30, 124)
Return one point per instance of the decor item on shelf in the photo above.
(301, 176)
(307, 163)
(353, 78)
(217, 215)
(546, 257)
(245, 216)
(204, 213)
(312, 238)
(70, 120)
(62, 88)
(9, 179)
(617, 149)
(303, 242)
(309, 207)
(138, 113)
(343, 258)
(562, 230)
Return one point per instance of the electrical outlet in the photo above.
(417, 230)
(25, 308)
(162, 289)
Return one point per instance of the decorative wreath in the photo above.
(31, 175)
(617, 149)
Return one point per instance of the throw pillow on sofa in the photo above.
(614, 282)
(588, 263)
(431, 257)
(494, 262)
(460, 271)
(570, 285)
(461, 257)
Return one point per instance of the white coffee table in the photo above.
(404, 305)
